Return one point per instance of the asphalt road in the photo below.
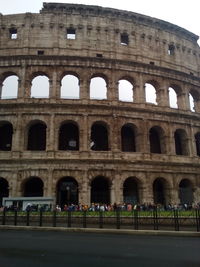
(59, 249)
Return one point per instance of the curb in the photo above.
(102, 231)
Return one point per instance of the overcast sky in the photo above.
(184, 13)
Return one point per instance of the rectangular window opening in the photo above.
(13, 34)
(171, 50)
(71, 34)
(99, 55)
(152, 63)
(124, 39)
(40, 52)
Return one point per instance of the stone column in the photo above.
(84, 191)
(18, 137)
(84, 134)
(22, 83)
(51, 140)
(84, 84)
(146, 194)
(112, 90)
(163, 95)
(183, 101)
(139, 90)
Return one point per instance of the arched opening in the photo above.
(70, 87)
(130, 191)
(197, 141)
(173, 99)
(6, 132)
(125, 90)
(4, 189)
(69, 137)
(191, 103)
(159, 191)
(98, 88)
(185, 192)
(181, 142)
(157, 140)
(99, 137)
(33, 187)
(128, 143)
(37, 137)
(150, 93)
(10, 87)
(100, 191)
(67, 191)
(40, 87)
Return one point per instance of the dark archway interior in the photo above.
(158, 192)
(33, 187)
(185, 192)
(4, 190)
(128, 139)
(100, 192)
(99, 138)
(154, 138)
(130, 191)
(67, 192)
(69, 137)
(37, 137)
(6, 132)
(197, 140)
(178, 143)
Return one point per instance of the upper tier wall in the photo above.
(99, 32)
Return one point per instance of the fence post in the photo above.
(41, 213)
(155, 218)
(69, 218)
(100, 219)
(84, 219)
(27, 218)
(176, 220)
(54, 218)
(15, 217)
(4, 217)
(135, 214)
(117, 219)
(197, 215)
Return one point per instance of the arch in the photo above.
(4, 189)
(174, 92)
(131, 190)
(150, 93)
(185, 192)
(99, 137)
(100, 190)
(181, 142)
(194, 98)
(98, 88)
(68, 136)
(33, 187)
(40, 87)
(159, 191)
(128, 138)
(37, 136)
(157, 140)
(70, 88)
(10, 87)
(191, 102)
(125, 90)
(6, 133)
(197, 142)
(67, 191)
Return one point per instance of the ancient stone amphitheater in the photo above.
(98, 105)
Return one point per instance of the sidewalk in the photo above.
(103, 231)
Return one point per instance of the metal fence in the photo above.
(155, 220)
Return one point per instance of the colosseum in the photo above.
(98, 105)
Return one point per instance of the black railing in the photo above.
(155, 220)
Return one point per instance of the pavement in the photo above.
(57, 248)
(104, 231)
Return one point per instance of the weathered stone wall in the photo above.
(97, 51)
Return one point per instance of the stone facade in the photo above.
(160, 159)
